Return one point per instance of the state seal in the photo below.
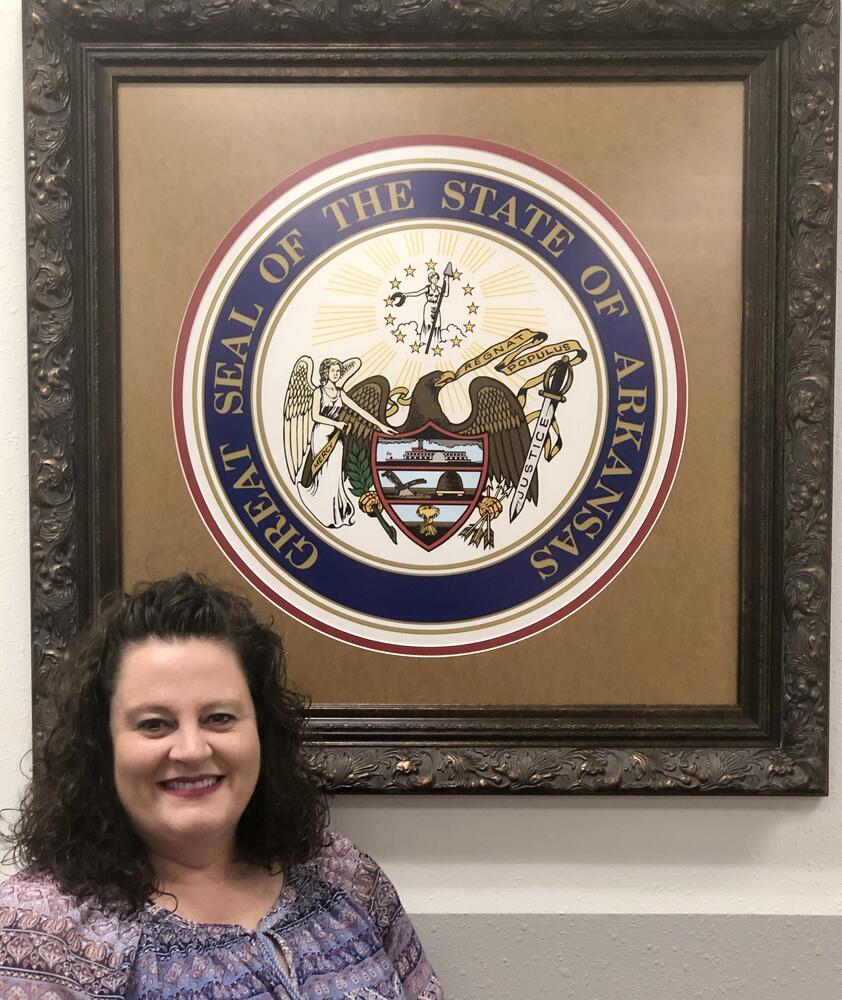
(429, 395)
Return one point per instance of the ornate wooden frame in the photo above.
(786, 53)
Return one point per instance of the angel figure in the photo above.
(313, 426)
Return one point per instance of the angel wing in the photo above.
(496, 412)
(298, 413)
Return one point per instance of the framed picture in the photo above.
(487, 347)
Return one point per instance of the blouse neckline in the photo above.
(285, 895)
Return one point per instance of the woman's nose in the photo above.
(189, 745)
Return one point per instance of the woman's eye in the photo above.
(220, 718)
(152, 725)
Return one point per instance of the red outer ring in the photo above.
(681, 404)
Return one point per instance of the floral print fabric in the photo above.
(338, 923)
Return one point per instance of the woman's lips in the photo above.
(192, 788)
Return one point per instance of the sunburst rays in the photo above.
(377, 358)
(382, 251)
(335, 323)
(414, 241)
(351, 280)
(504, 321)
(508, 281)
(476, 254)
(448, 242)
(409, 374)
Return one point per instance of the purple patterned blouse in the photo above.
(338, 922)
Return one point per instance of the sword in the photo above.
(557, 380)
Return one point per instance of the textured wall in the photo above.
(607, 957)
(456, 856)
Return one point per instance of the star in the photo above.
(409, 271)
(469, 326)
(390, 319)
(389, 301)
(394, 283)
(431, 264)
(457, 275)
(400, 337)
(472, 308)
(437, 351)
(468, 289)
(456, 341)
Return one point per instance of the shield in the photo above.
(429, 480)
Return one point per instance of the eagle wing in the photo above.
(298, 413)
(371, 395)
(495, 411)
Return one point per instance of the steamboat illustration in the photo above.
(428, 456)
(449, 473)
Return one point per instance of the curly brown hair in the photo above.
(71, 823)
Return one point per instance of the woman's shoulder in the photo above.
(35, 894)
(25, 883)
(342, 864)
(40, 893)
(339, 860)
(50, 935)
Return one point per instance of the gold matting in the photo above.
(667, 157)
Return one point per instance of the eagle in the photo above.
(495, 411)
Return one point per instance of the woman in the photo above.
(174, 841)
(433, 293)
(321, 476)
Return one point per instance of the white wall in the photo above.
(457, 855)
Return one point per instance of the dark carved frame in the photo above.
(786, 53)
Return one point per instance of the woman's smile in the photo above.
(192, 788)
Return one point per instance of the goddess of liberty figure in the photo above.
(433, 292)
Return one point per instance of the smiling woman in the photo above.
(186, 746)
(174, 841)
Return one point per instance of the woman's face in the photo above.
(334, 372)
(186, 746)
